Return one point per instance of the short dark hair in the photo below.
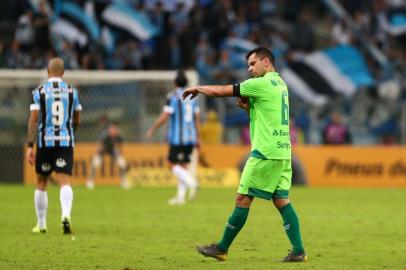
(181, 79)
(262, 52)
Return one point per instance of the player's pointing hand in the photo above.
(191, 91)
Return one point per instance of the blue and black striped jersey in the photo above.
(182, 123)
(56, 101)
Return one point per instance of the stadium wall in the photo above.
(345, 166)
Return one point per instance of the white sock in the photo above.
(181, 193)
(183, 175)
(41, 205)
(192, 191)
(194, 161)
(194, 184)
(66, 197)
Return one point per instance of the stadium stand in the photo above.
(336, 55)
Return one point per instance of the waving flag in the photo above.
(70, 32)
(316, 77)
(75, 15)
(122, 16)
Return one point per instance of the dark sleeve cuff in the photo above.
(236, 90)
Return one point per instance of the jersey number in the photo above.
(285, 109)
(57, 113)
(188, 112)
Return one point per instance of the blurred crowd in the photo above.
(211, 36)
(199, 33)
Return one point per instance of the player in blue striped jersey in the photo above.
(54, 116)
(183, 136)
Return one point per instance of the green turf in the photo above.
(136, 229)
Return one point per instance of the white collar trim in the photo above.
(53, 79)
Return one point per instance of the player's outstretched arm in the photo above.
(209, 90)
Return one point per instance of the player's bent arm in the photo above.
(209, 90)
(32, 127)
(244, 103)
(76, 120)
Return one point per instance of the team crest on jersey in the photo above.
(45, 167)
(60, 162)
(274, 83)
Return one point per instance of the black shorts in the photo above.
(58, 159)
(180, 153)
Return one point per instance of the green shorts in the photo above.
(266, 179)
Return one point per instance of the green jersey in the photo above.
(269, 116)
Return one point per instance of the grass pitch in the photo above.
(136, 229)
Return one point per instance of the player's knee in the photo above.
(279, 203)
(243, 201)
(42, 183)
(62, 182)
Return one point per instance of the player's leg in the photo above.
(290, 219)
(94, 165)
(43, 168)
(292, 229)
(65, 194)
(66, 200)
(122, 166)
(181, 187)
(41, 204)
(63, 172)
(194, 160)
(180, 194)
(192, 170)
(176, 161)
(183, 183)
(237, 219)
(234, 225)
(188, 179)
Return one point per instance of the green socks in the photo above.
(239, 216)
(292, 228)
(235, 223)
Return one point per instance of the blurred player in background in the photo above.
(183, 136)
(268, 172)
(56, 105)
(110, 143)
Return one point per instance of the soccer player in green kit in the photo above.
(267, 173)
